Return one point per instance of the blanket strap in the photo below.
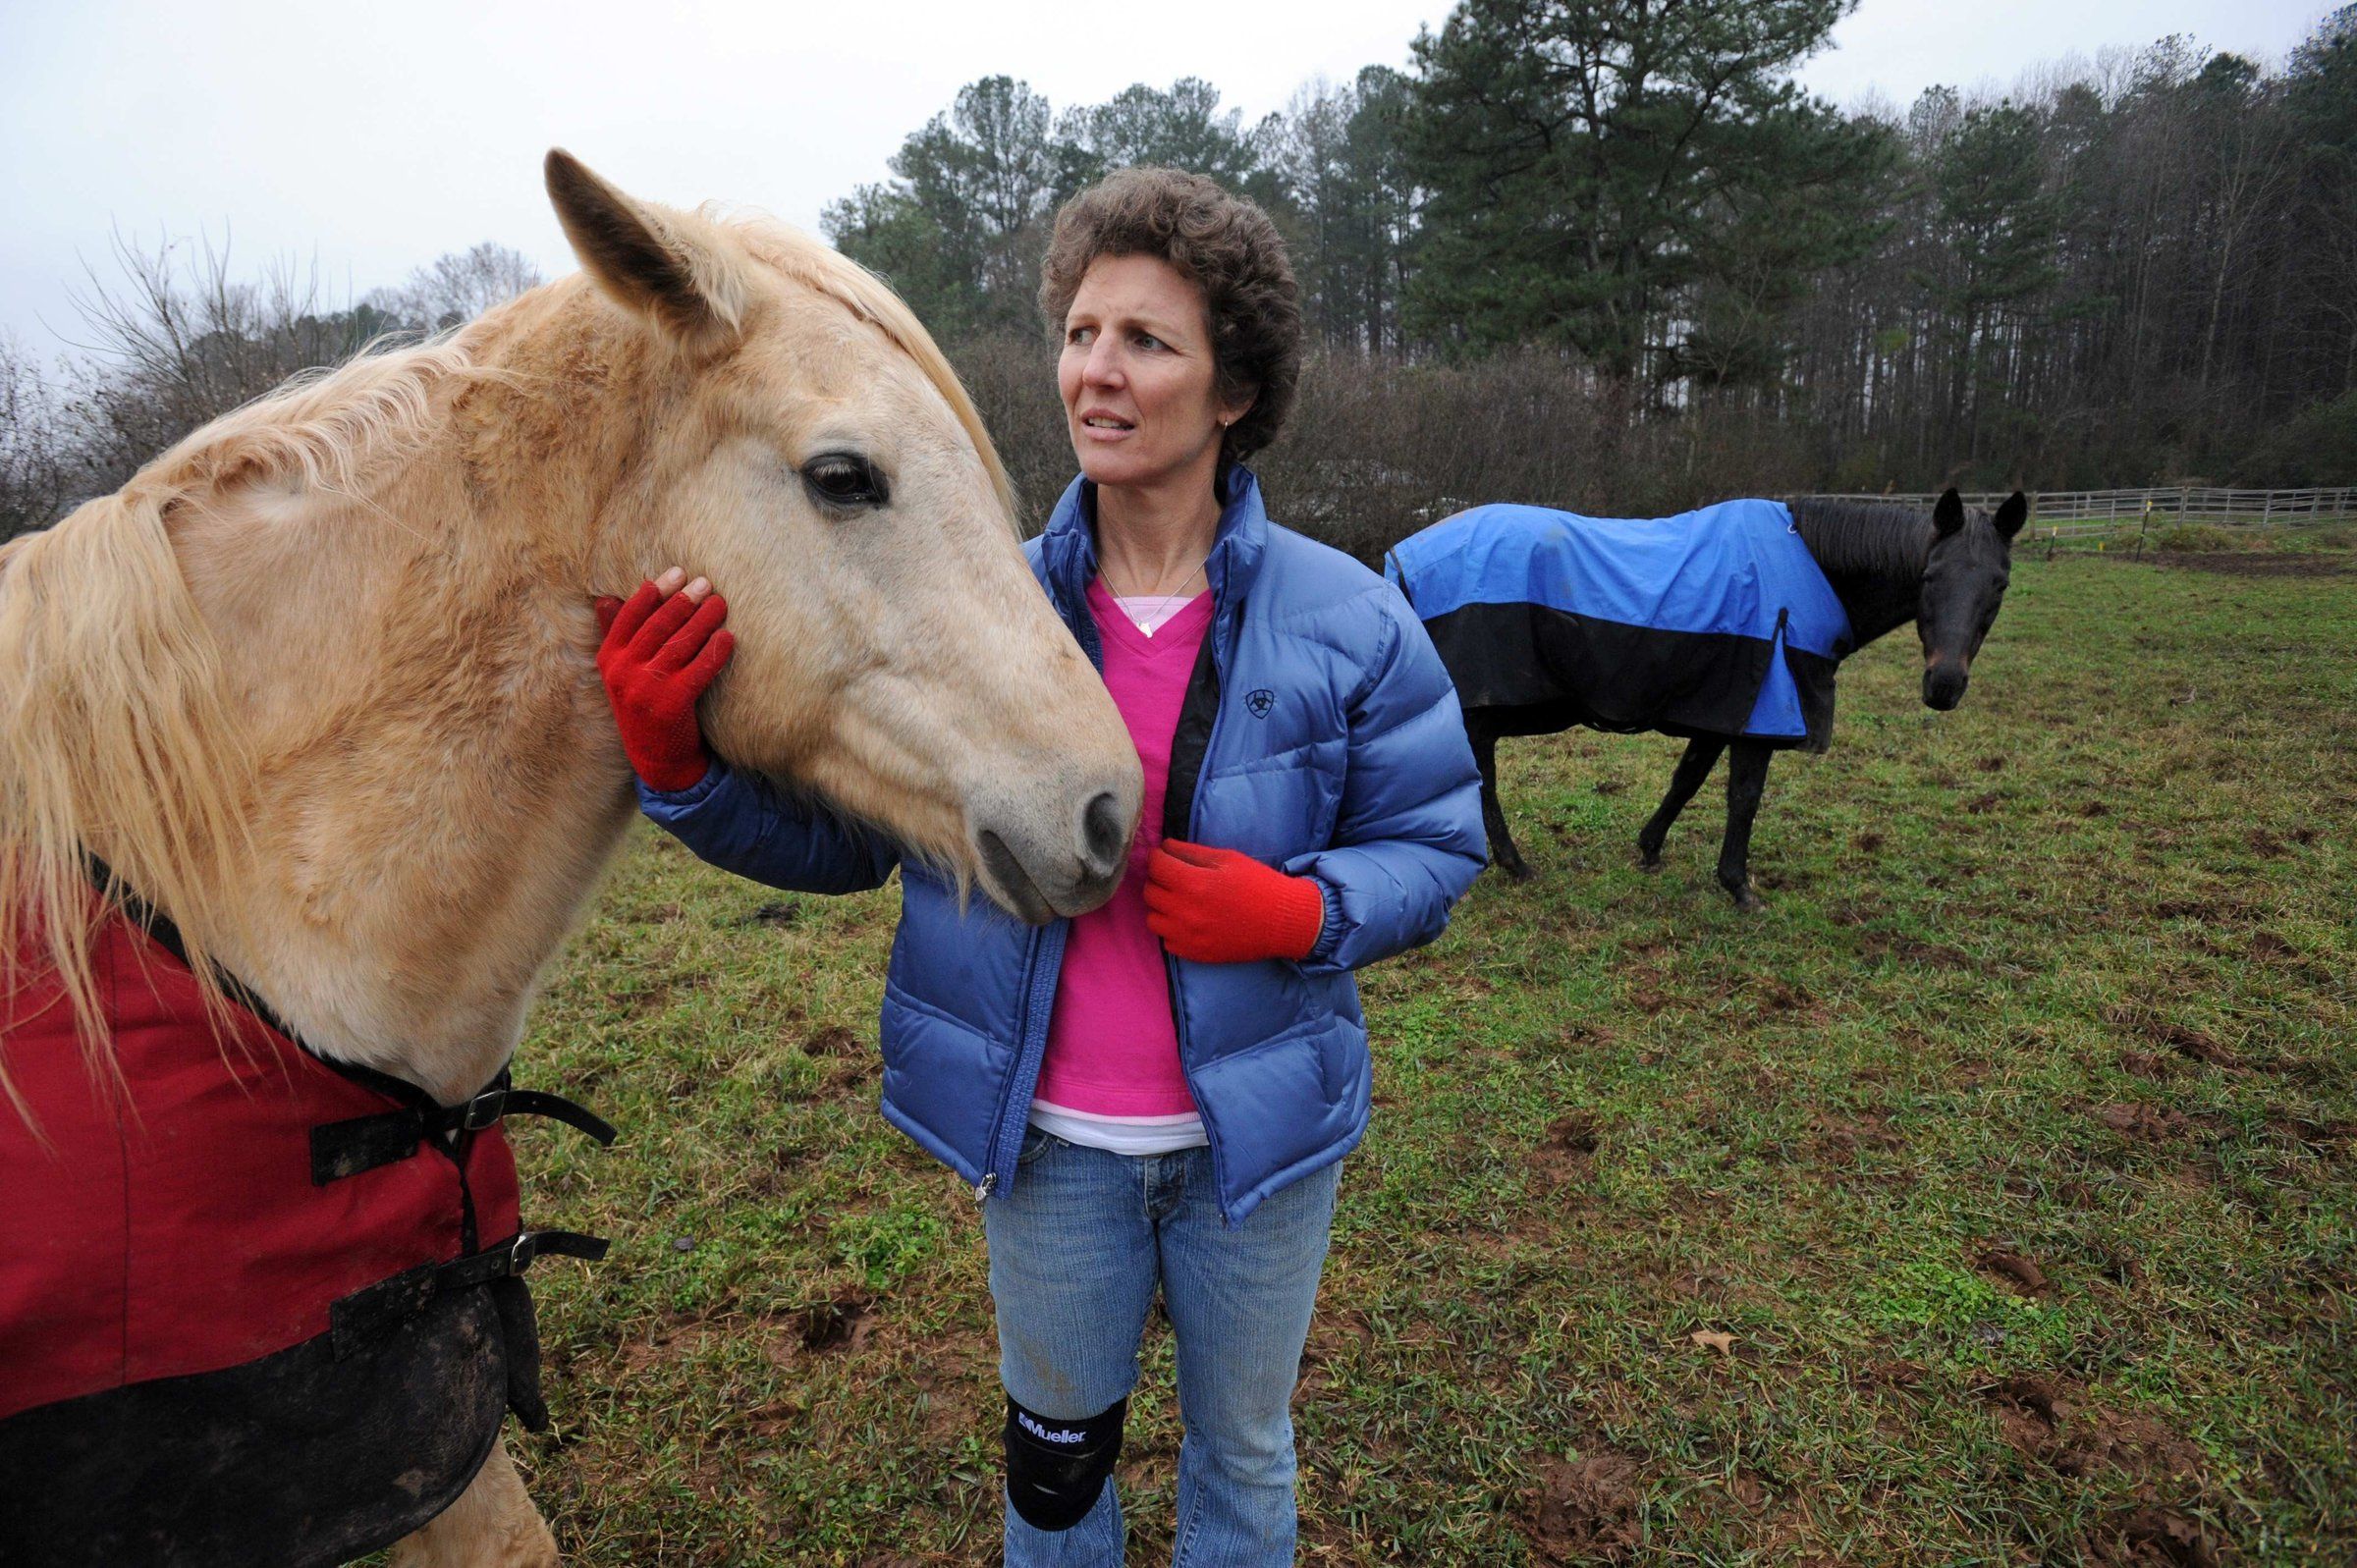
(374, 1309)
(341, 1149)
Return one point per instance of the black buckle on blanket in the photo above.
(341, 1149)
(492, 1104)
(482, 1111)
(375, 1309)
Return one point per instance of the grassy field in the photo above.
(1991, 1199)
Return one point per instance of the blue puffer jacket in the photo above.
(1320, 734)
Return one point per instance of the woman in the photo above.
(1156, 1095)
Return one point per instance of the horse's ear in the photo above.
(1948, 515)
(637, 257)
(2013, 514)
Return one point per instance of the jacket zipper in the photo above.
(998, 1120)
(1014, 1102)
(1194, 813)
(1031, 1035)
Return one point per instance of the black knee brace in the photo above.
(1056, 1467)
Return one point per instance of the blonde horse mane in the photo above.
(117, 737)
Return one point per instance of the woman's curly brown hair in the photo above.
(1225, 246)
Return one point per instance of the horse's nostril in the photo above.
(1103, 832)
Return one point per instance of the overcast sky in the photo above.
(379, 137)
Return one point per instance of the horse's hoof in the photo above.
(1649, 860)
(1749, 903)
(1516, 871)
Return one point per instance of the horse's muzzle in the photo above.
(1038, 875)
(1944, 685)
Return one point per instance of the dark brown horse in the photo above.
(1946, 570)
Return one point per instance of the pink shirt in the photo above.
(1113, 1049)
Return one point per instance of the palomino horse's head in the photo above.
(1964, 585)
(812, 453)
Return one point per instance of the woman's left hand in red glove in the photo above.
(1223, 906)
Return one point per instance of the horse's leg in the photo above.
(492, 1525)
(1503, 854)
(1746, 782)
(1702, 755)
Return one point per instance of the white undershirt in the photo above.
(1148, 611)
(1129, 1135)
(1120, 1135)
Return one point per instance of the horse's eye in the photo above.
(844, 479)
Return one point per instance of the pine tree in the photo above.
(1590, 160)
(1352, 205)
(965, 216)
(1999, 233)
(1180, 129)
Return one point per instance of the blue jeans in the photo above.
(1077, 1246)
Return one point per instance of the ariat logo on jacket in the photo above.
(1260, 702)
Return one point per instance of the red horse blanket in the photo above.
(253, 1307)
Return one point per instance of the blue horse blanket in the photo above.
(1714, 622)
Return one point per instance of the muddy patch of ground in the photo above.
(2158, 1537)
(675, 1338)
(832, 1041)
(1568, 1157)
(2181, 1038)
(2051, 1422)
(1584, 1511)
(1838, 1141)
(2015, 1270)
(1882, 945)
(2143, 1122)
(846, 1323)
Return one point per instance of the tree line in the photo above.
(1599, 253)
(2136, 268)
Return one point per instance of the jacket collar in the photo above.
(1069, 543)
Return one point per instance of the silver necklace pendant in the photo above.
(1118, 596)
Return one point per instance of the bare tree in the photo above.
(454, 288)
(172, 337)
(33, 473)
(177, 339)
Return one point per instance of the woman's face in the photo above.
(1137, 375)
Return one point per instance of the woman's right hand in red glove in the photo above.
(662, 649)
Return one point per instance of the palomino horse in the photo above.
(317, 686)
(1526, 663)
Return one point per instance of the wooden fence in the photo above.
(2099, 517)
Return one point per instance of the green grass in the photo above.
(2062, 976)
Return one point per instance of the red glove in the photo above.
(1223, 906)
(658, 657)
